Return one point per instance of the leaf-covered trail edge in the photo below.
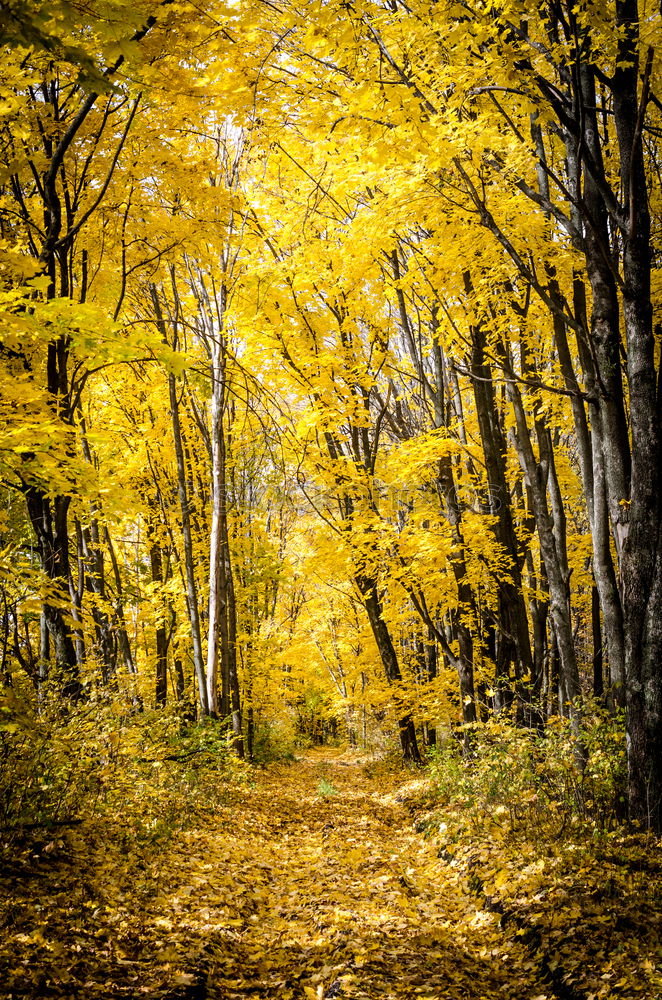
(312, 880)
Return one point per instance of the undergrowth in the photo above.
(325, 788)
(535, 783)
(272, 743)
(537, 832)
(149, 772)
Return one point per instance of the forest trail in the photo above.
(315, 880)
(334, 894)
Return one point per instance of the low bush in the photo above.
(271, 743)
(151, 772)
(532, 782)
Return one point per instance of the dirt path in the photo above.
(335, 895)
(310, 881)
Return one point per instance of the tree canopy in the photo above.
(330, 365)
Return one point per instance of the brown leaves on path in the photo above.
(307, 881)
(340, 897)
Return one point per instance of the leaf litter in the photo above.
(280, 892)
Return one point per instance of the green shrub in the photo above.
(49, 765)
(151, 772)
(532, 782)
(271, 743)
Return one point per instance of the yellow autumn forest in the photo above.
(331, 522)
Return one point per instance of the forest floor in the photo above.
(316, 880)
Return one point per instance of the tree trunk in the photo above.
(49, 522)
(76, 591)
(235, 693)
(122, 634)
(189, 563)
(407, 730)
(222, 641)
(180, 681)
(156, 563)
(592, 468)
(189, 560)
(44, 656)
(641, 565)
(539, 616)
(466, 602)
(596, 630)
(95, 583)
(515, 645)
(553, 553)
(217, 641)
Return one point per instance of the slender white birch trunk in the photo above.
(216, 597)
